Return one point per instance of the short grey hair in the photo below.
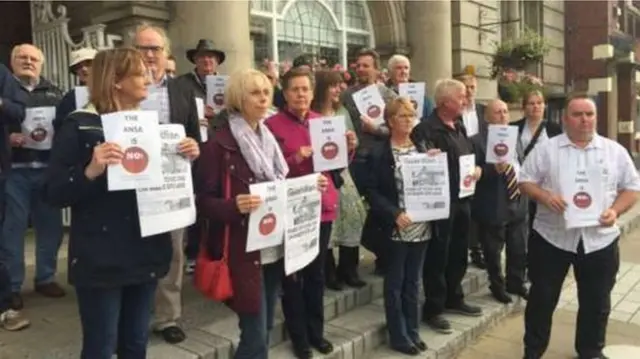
(397, 59)
(445, 88)
(157, 29)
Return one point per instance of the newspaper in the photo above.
(426, 186)
(171, 205)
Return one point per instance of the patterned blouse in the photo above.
(415, 232)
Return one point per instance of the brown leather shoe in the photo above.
(51, 290)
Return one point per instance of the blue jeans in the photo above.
(401, 290)
(115, 317)
(255, 328)
(24, 198)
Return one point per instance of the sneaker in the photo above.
(51, 290)
(12, 320)
(439, 324)
(466, 309)
(190, 267)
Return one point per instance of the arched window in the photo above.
(333, 29)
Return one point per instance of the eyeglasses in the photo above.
(153, 49)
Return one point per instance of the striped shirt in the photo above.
(158, 100)
(415, 232)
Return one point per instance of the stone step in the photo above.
(219, 339)
(362, 333)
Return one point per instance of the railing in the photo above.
(51, 35)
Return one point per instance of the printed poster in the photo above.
(215, 91)
(370, 103)
(37, 127)
(329, 143)
(267, 223)
(426, 186)
(501, 144)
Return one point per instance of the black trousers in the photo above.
(595, 275)
(494, 238)
(446, 261)
(303, 297)
(475, 245)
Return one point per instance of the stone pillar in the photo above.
(224, 22)
(626, 88)
(514, 18)
(430, 38)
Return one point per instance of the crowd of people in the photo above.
(128, 286)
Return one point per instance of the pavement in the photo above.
(355, 320)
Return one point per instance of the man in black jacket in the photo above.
(80, 65)
(500, 211)
(30, 138)
(11, 110)
(446, 260)
(174, 103)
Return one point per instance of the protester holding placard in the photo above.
(114, 270)
(242, 153)
(446, 259)
(578, 174)
(500, 211)
(302, 299)
(79, 65)
(400, 73)
(347, 228)
(408, 239)
(30, 139)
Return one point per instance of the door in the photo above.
(16, 15)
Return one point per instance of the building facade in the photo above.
(440, 37)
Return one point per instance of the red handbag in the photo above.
(212, 277)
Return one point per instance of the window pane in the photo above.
(356, 17)
(262, 36)
(261, 5)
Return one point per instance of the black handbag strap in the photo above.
(535, 137)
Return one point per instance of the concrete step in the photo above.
(362, 332)
(218, 340)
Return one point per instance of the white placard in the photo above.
(82, 96)
(171, 205)
(267, 223)
(415, 92)
(467, 181)
(426, 186)
(37, 127)
(137, 133)
(302, 234)
(501, 144)
(329, 143)
(204, 131)
(370, 103)
(582, 190)
(215, 91)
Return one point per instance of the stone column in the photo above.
(514, 18)
(430, 39)
(627, 103)
(224, 22)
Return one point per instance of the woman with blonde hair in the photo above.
(114, 270)
(243, 152)
(408, 240)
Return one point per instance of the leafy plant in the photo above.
(519, 53)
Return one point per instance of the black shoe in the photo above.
(324, 346)
(16, 302)
(478, 260)
(172, 335)
(439, 324)
(407, 350)
(302, 352)
(521, 292)
(601, 356)
(353, 280)
(501, 296)
(466, 309)
(421, 345)
(335, 285)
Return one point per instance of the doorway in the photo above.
(17, 17)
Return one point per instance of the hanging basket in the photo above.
(519, 53)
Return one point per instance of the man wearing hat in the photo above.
(206, 58)
(79, 65)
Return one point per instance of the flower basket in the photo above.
(519, 53)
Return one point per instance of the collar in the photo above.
(163, 82)
(471, 107)
(293, 117)
(597, 142)
(28, 86)
(437, 123)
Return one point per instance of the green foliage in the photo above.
(512, 92)
(519, 53)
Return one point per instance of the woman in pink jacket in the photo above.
(302, 300)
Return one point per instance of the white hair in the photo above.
(445, 88)
(397, 59)
(158, 30)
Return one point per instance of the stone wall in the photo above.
(553, 29)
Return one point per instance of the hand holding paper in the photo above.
(323, 182)
(304, 152)
(477, 173)
(403, 220)
(555, 202)
(608, 217)
(103, 154)
(352, 140)
(248, 203)
(189, 148)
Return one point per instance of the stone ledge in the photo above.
(219, 339)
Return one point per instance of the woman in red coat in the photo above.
(243, 152)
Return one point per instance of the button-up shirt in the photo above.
(527, 135)
(543, 167)
(158, 100)
(470, 120)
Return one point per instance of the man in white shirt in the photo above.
(582, 182)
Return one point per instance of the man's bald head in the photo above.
(497, 112)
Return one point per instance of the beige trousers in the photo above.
(168, 302)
